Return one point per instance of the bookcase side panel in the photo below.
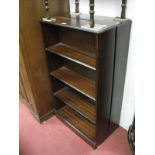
(105, 64)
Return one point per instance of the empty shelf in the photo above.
(77, 103)
(78, 123)
(76, 81)
(73, 54)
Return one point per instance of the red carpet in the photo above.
(54, 138)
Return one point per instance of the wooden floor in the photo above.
(54, 138)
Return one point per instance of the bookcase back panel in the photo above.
(88, 73)
(81, 40)
(50, 34)
(54, 61)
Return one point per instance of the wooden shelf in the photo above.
(76, 81)
(78, 103)
(77, 23)
(73, 54)
(81, 125)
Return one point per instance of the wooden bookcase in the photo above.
(87, 70)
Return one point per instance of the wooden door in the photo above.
(24, 85)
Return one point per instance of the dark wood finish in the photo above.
(74, 23)
(105, 66)
(33, 65)
(77, 86)
(79, 39)
(76, 121)
(85, 71)
(76, 81)
(50, 34)
(74, 38)
(23, 101)
(78, 103)
(104, 52)
(25, 91)
(73, 54)
(33, 53)
(24, 83)
(22, 91)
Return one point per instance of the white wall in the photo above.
(113, 8)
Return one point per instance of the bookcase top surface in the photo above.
(81, 22)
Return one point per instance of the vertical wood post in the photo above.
(77, 10)
(91, 12)
(123, 13)
(47, 9)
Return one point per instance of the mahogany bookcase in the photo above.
(87, 69)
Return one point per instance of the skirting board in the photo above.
(42, 118)
(47, 116)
